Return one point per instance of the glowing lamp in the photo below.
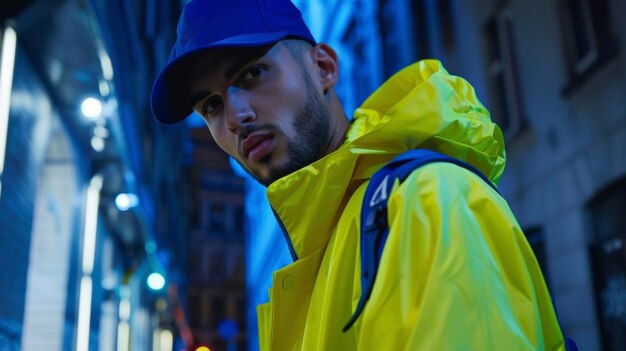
(91, 108)
(156, 281)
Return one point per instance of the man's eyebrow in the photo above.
(230, 72)
(235, 67)
(239, 64)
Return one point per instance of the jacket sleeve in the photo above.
(456, 272)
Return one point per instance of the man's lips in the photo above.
(257, 145)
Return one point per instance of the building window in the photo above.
(240, 219)
(536, 240)
(420, 28)
(506, 108)
(608, 257)
(241, 311)
(588, 36)
(356, 44)
(195, 314)
(219, 219)
(446, 22)
(215, 260)
(387, 24)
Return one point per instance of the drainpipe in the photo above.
(90, 229)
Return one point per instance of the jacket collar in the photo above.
(420, 106)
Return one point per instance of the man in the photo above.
(456, 272)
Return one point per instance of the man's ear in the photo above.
(327, 64)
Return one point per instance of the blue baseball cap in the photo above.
(208, 24)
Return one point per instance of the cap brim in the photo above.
(169, 99)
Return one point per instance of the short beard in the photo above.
(312, 124)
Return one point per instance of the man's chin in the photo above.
(260, 174)
(269, 169)
(264, 180)
(269, 175)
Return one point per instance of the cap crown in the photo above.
(206, 24)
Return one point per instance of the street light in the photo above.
(125, 201)
(91, 108)
(156, 281)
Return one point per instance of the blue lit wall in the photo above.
(29, 127)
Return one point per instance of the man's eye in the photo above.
(252, 73)
(211, 105)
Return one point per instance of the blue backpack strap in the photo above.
(374, 228)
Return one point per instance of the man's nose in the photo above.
(238, 111)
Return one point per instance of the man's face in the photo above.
(263, 108)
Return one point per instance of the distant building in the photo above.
(217, 289)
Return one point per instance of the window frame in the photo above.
(607, 252)
(580, 65)
(507, 108)
(602, 49)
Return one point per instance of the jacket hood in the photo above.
(420, 106)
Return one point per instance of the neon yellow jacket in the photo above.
(456, 272)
